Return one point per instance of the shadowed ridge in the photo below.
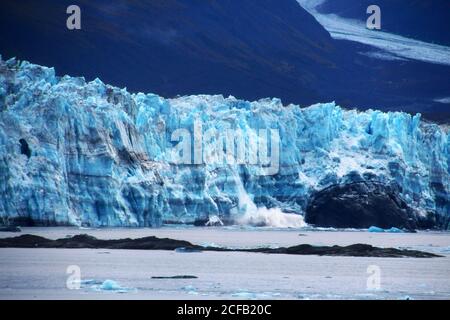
(154, 243)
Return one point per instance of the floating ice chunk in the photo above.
(375, 229)
(244, 295)
(195, 293)
(189, 288)
(394, 230)
(391, 230)
(110, 285)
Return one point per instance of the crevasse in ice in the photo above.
(84, 153)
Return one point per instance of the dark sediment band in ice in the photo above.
(154, 243)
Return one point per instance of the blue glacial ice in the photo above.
(106, 285)
(390, 230)
(83, 153)
(111, 285)
(375, 229)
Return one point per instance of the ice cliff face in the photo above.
(85, 153)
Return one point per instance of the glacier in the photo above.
(81, 153)
(392, 46)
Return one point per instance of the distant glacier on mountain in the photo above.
(89, 154)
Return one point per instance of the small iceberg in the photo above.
(108, 285)
(190, 290)
(395, 230)
(245, 294)
(390, 230)
(111, 285)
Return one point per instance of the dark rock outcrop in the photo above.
(87, 241)
(154, 243)
(175, 277)
(360, 205)
(354, 250)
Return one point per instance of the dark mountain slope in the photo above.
(250, 49)
(426, 20)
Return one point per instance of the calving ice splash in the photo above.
(221, 145)
(248, 213)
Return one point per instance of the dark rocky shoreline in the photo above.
(154, 243)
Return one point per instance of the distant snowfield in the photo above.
(395, 46)
(445, 100)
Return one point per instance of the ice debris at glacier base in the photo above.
(97, 155)
(106, 285)
(379, 230)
